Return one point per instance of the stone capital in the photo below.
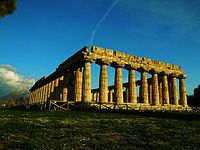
(143, 69)
(173, 75)
(117, 64)
(130, 67)
(183, 76)
(164, 73)
(102, 62)
(88, 59)
(153, 71)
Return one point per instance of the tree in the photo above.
(194, 100)
(7, 7)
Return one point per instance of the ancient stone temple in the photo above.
(71, 83)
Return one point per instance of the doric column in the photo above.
(34, 96)
(52, 89)
(61, 96)
(94, 96)
(52, 86)
(30, 98)
(132, 87)
(103, 82)
(64, 95)
(60, 88)
(155, 89)
(78, 85)
(182, 88)
(39, 94)
(110, 99)
(175, 91)
(160, 93)
(61, 78)
(118, 84)
(97, 97)
(165, 89)
(56, 82)
(171, 100)
(45, 92)
(126, 100)
(144, 88)
(49, 90)
(42, 94)
(150, 92)
(87, 82)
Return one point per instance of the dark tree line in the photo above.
(7, 7)
(194, 100)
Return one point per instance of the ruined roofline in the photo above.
(74, 61)
(138, 63)
(70, 63)
(78, 59)
(96, 53)
(37, 84)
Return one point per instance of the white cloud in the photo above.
(11, 81)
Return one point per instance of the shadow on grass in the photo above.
(187, 116)
(190, 116)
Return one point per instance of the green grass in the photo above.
(98, 130)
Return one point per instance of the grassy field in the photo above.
(98, 130)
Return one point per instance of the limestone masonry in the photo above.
(71, 82)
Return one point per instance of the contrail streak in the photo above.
(98, 25)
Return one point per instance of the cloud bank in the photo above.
(11, 81)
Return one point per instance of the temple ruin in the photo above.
(70, 84)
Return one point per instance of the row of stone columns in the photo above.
(156, 93)
(164, 92)
(45, 92)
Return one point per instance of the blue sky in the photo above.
(43, 33)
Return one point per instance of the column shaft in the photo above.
(144, 88)
(39, 94)
(150, 93)
(110, 99)
(155, 89)
(87, 83)
(46, 92)
(42, 94)
(183, 96)
(175, 91)
(57, 82)
(126, 100)
(52, 86)
(132, 87)
(97, 97)
(64, 95)
(49, 90)
(103, 84)
(78, 85)
(165, 90)
(160, 93)
(118, 85)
